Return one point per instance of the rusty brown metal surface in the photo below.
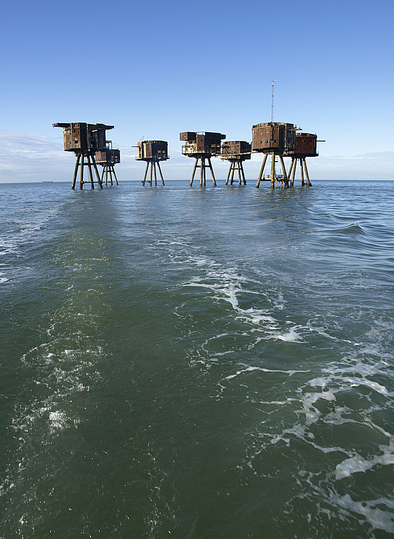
(273, 137)
(87, 140)
(236, 149)
(188, 135)
(156, 150)
(305, 146)
(201, 143)
(107, 157)
(84, 137)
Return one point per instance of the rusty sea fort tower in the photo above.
(108, 158)
(152, 151)
(202, 146)
(236, 152)
(279, 139)
(88, 141)
(273, 138)
(305, 146)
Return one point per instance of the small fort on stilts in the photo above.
(236, 152)
(108, 158)
(85, 140)
(202, 146)
(273, 139)
(152, 152)
(305, 146)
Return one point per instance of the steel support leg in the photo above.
(308, 182)
(161, 175)
(100, 183)
(76, 171)
(294, 171)
(285, 178)
(302, 172)
(273, 175)
(81, 173)
(194, 171)
(213, 175)
(202, 172)
(116, 179)
(242, 172)
(90, 171)
(262, 170)
(229, 172)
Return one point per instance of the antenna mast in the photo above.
(272, 102)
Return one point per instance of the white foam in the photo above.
(379, 520)
(59, 421)
(262, 369)
(354, 382)
(290, 336)
(357, 463)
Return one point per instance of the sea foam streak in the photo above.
(312, 404)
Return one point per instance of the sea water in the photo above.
(197, 362)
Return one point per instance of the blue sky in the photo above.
(153, 69)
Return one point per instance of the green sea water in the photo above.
(197, 362)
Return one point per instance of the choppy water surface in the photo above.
(196, 362)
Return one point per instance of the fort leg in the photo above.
(308, 182)
(273, 175)
(161, 175)
(232, 172)
(262, 170)
(76, 171)
(146, 172)
(291, 169)
(81, 173)
(100, 183)
(285, 178)
(116, 179)
(213, 175)
(302, 172)
(154, 166)
(294, 171)
(90, 171)
(202, 172)
(194, 171)
(243, 173)
(151, 174)
(229, 172)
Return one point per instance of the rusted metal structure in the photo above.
(108, 158)
(273, 138)
(152, 151)
(236, 152)
(202, 146)
(84, 140)
(305, 146)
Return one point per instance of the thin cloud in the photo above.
(28, 157)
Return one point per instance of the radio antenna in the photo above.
(272, 101)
